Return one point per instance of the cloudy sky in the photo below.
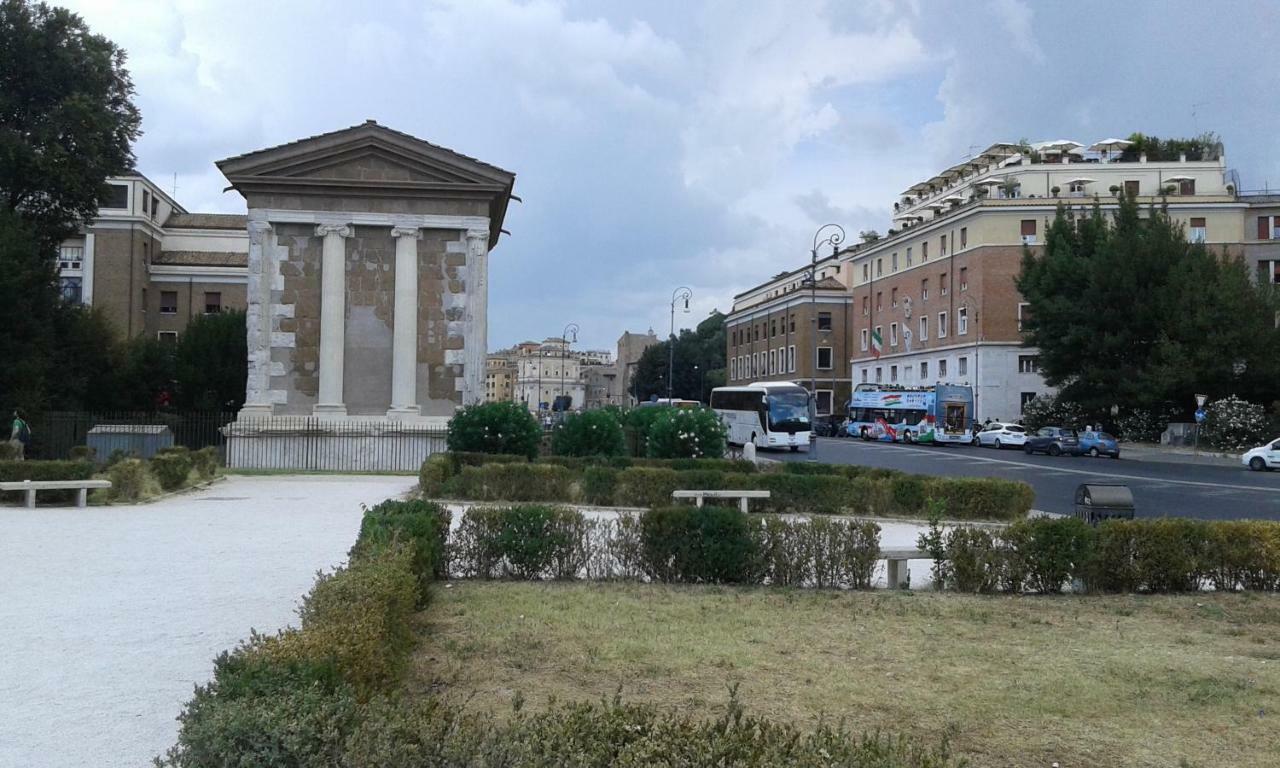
(667, 143)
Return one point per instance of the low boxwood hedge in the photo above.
(13, 471)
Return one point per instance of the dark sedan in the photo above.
(1054, 441)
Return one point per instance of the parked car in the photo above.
(1263, 457)
(829, 426)
(1054, 441)
(1001, 435)
(1098, 444)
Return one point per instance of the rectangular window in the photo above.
(1028, 231)
(942, 325)
(791, 359)
(879, 300)
(824, 358)
(773, 328)
(212, 302)
(116, 196)
(942, 369)
(924, 252)
(962, 321)
(146, 202)
(963, 368)
(908, 256)
(924, 328)
(879, 374)
(924, 289)
(155, 205)
(168, 337)
(1024, 312)
(942, 245)
(866, 272)
(964, 237)
(733, 369)
(866, 335)
(893, 334)
(1131, 188)
(168, 302)
(1028, 363)
(893, 298)
(823, 402)
(793, 323)
(893, 374)
(1187, 187)
(773, 362)
(1023, 399)
(879, 267)
(1197, 232)
(866, 305)
(924, 370)
(906, 373)
(864, 375)
(893, 261)
(824, 321)
(1264, 227)
(942, 284)
(964, 278)
(72, 289)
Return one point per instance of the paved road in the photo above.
(1160, 487)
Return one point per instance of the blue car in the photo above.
(1099, 444)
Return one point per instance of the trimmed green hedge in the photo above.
(1160, 556)
(13, 471)
(423, 523)
(523, 542)
(816, 489)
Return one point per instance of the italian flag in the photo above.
(876, 344)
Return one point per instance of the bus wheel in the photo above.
(753, 438)
(864, 434)
(795, 449)
(908, 437)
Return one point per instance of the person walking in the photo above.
(20, 436)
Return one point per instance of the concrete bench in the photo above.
(896, 565)
(741, 496)
(29, 487)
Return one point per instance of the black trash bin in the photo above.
(1096, 502)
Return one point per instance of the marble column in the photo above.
(404, 337)
(257, 397)
(477, 316)
(333, 318)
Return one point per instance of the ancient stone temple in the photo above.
(367, 293)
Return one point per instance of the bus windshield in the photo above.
(788, 410)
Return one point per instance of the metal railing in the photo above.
(317, 443)
(55, 433)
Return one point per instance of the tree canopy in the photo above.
(1127, 312)
(703, 347)
(67, 119)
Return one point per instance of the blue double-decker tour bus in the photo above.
(937, 414)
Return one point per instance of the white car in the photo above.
(1001, 435)
(1263, 457)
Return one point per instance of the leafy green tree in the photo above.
(591, 433)
(1125, 311)
(686, 433)
(67, 119)
(211, 363)
(504, 427)
(144, 380)
(699, 363)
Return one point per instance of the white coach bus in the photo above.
(768, 414)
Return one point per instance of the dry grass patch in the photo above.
(1012, 681)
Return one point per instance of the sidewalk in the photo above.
(1171, 454)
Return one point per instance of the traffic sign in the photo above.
(1200, 416)
(1200, 400)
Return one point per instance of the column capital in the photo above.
(399, 231)
(477, 236)
(341, 230)
(258, 231)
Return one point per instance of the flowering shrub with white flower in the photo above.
(1051, 411)
(1233, 424)
(687, 433)
(592, 433)
(495, 428)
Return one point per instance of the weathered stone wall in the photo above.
(295, 318)
(370, 307)
(441, 304)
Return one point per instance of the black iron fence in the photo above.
(318, 443)
(55, 433)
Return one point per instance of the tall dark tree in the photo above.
(66, 123)
(699, 363)
(210, 364)
(67, 119)
(1127, 312)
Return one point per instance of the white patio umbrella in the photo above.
(1178, 178)
(1057, 145)
(1082, 180)
(1107, 146)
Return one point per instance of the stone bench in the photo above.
(896, 565)
(741, 496)
(29, 487)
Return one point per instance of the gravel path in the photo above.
(109, 616)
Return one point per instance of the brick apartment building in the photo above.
(938, 291)
(149, 265)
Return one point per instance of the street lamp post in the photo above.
(833, 239)
(680, 294)
(702, 382)
(564, 353)
(969, 304)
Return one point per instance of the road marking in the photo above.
(1094, 473)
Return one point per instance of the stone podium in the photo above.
(367, 297)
